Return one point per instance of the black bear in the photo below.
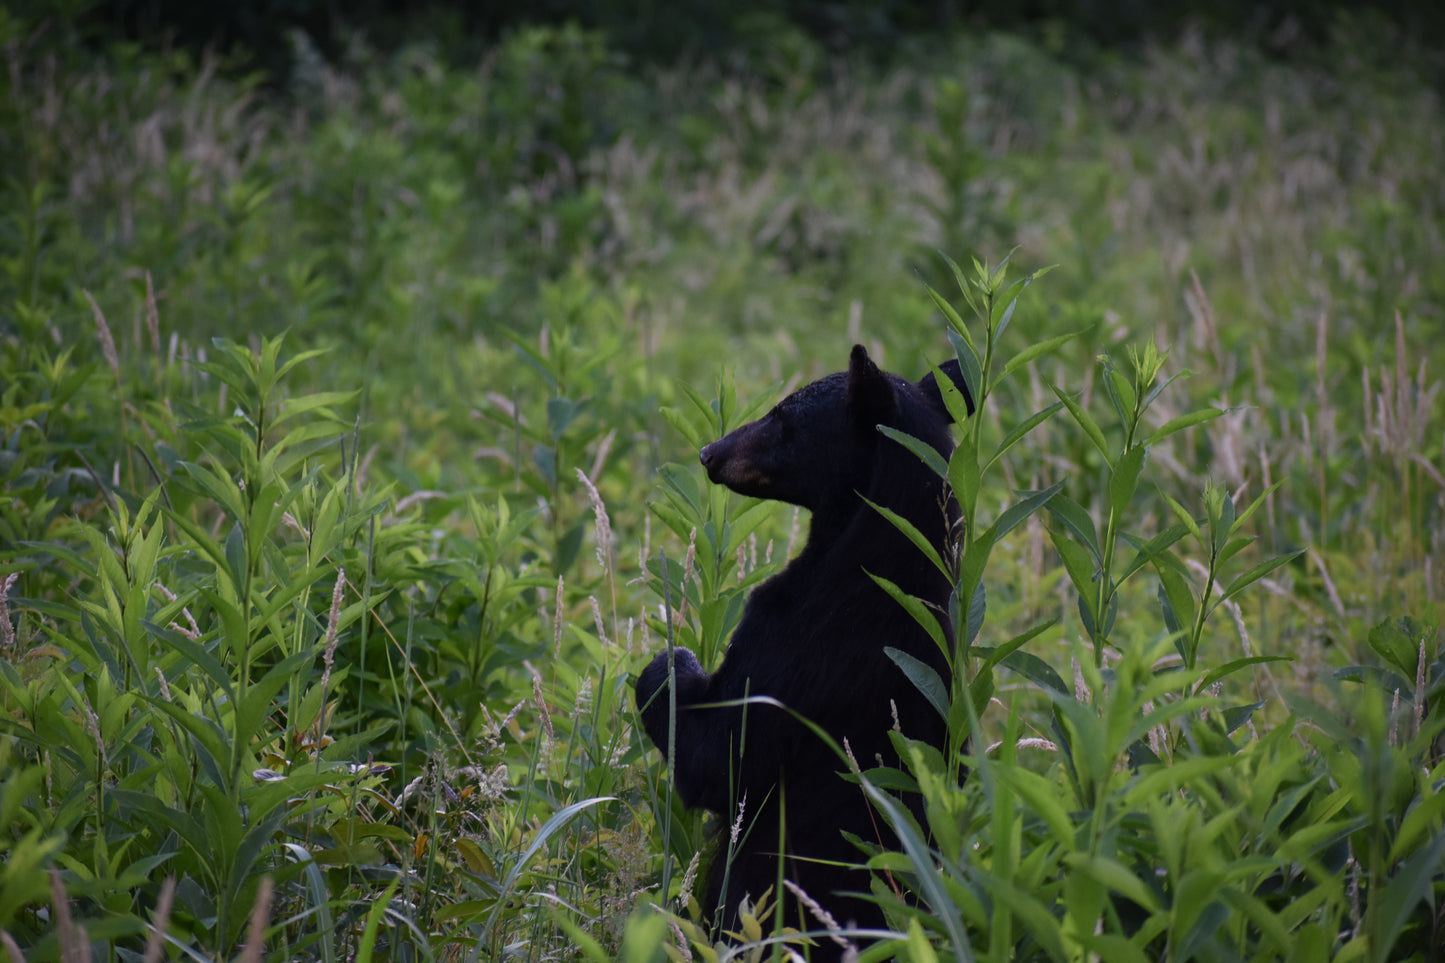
(813, 637)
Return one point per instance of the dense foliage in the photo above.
(348, 434)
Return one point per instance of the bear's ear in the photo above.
(871, 397)
(929, 386)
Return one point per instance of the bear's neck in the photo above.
(849, 530)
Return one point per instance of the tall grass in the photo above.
(348, 434)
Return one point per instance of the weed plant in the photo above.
(347, 442)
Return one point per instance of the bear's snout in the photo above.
(713, 457)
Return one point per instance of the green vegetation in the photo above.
(348, 434)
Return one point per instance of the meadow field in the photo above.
(348, 442)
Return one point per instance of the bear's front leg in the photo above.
(701, 736)
(652, 700)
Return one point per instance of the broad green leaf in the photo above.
(1413, 881)
(1257, 572)
(1036, 918)
(1085, 421)
(909, 530)
(930, 885)
(1022, 509)
(1033, 352)
(1232, 548)
(1155, 550)
(1426, 813)
(955, 323)
(1183, 421)
(915, 607)
(995, 656)
(558, 820)
(1235, 665)
(1079, 522)
(1020, 431)
(320, 402)
(1395, 646)
(1177, 598)
(1036, 670)
(924, 679)
(926, 453)
(1043, 797)
(1185, 519)
(1254, 506)
(953, 400)
(963, 476)
(1082, 567)
(1236, 716)
(1124, 478)
(969, 367)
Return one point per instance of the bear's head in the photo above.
(821, 444)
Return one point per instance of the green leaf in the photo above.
(1184, 421)
(955, 323)
(963, 477)
(1120, 392)
(1425, 813)
(1185, 519)
(911, 531)
(1086, 421)
(1042, 796)
(1253, 506)
(1257, 572)
(1081, 566)
(1022, 509)
(1037, 920)
(930, 884)
(1236, 716)
(366, 946)
(1234, 666)
(1036, 670)
(928, 682)
(1078, 521)
(1177, 598)
(926, 453)
(969, 367)
(996, 655)
(921, 613)
(1020, 431)
(558, 820)
(1396, 647)
(1124, 479)
(1152, 551)
(953, 399)
(1412, 882)
(1033, 352)
(320, 401)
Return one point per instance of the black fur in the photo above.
(813, 636)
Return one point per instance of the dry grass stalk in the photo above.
(603, 523)
(1420, 687)
(156, 944)
(7, 631)
(542, 710)
(255, 947)
(1397, 417)
(153, 318)
(12, 949)
(819, 913)
(102, 332)
(557, 622)
(74, 944)
(333, 622)
(597, 620)
(1032, 742)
